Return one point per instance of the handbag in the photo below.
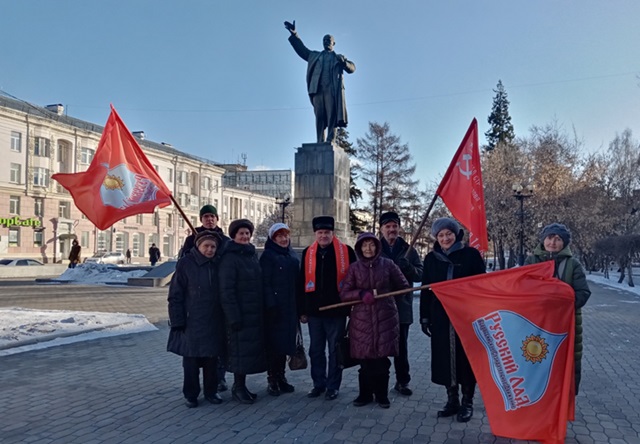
(343, 351)
(298, 361)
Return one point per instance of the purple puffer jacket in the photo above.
(373, 329)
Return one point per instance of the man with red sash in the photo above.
(324, 267)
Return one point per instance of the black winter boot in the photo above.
(453, 403)
(466, 409)
(382, 390)
(241, 394)
(284, 385)
(366, 393)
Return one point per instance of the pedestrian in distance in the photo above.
(243, 305)
(280, 266)
(74, 254)
(395, 248)
(374, 326)
(196, 318)
(450, 367)
(128, 256)
(324, 267)
(554, 245)
(154, 254)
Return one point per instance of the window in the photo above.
(86, 155)
(14, 204)
(215, 185)
(139, 219)
(157, 168)
(181, 176)
(156, 219)
(206, 183)
(169, 220)
(38, 207)
(102, 240)
(14, 237)
(64, 210)
(16, 141)
(41, 147)
(38, 238)
(135, 251)
(215, 203)
(182, 199)
(84, 239)
(41, 177)
(170, 175)
(16, 173)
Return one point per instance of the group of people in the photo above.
(230, 311)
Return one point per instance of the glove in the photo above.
(236, 326)
(367, 297)
(425, 329)
(177, 329)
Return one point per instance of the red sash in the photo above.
(342, 262)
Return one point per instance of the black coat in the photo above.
(194, 303)
(243, 305)
(327, 292)
(439, 267)
(411, 267)
(279, 273)
(190, 241)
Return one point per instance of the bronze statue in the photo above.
(325, 83)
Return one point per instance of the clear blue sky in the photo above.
(219, 78)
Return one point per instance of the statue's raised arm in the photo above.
(325, 83)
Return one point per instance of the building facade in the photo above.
(275, 183)
(38, 218)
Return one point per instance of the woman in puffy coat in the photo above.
(374, 327)
(554, 245)
(450, 367)
(196, 318)
(280, 268)
(242, 302)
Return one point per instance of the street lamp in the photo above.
(284, 202)
(521, 193)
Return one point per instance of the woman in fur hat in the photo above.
(450, 259)
(554, 245)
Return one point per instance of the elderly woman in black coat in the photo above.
(280, 267)
(450, 259)
(243, 305)
(196, 318)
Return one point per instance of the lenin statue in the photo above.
(325, 83)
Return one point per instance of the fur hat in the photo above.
(444, 223)
(278, 227)
(389, 216)
(323, 223)
(559, 229)
(207, 235)
(208, 209)
(240, 223)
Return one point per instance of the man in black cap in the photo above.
(324, 267)
(395, 248)
(209, 219)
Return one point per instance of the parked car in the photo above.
(110, 257)
(19, 262)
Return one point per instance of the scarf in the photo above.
(342, 262)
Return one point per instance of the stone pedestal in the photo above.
(321, 189)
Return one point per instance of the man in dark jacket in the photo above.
(154, 254)
(395, 248)
(209, 219)
(324, 267)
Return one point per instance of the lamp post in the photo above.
(521, 193)
(284, 202)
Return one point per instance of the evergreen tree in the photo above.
(501, 130)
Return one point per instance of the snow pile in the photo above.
(92, 273)
(613, 282)
(25, 329)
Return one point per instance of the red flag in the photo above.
(518, 335)
(120, 180)
(462, 192)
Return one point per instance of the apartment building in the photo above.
(39, 220)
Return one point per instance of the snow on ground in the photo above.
(25, 329)
(613, 282)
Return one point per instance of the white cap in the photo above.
(277, 227)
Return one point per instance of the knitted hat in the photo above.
(208, 209)
(389, 216)
(323, 223)
(559, 229)
(207, 235)
(444, 223)
(240, 223)
(277, 227)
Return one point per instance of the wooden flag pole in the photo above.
(378, 296)
(184, 216)
(421, 226)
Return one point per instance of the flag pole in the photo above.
(378, 296)
(184, 216)
(421, 226)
